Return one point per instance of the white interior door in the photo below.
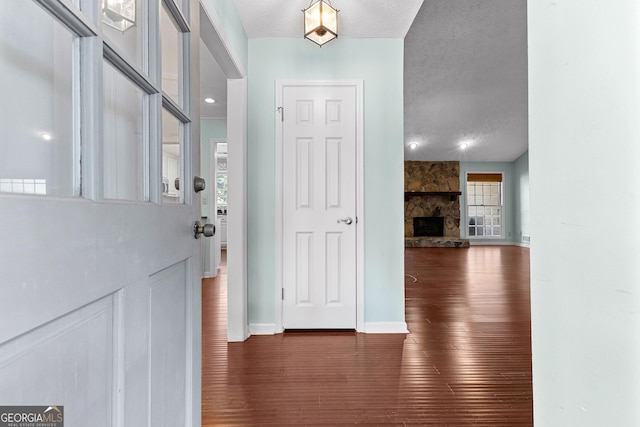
(319, 207)
(100, 283)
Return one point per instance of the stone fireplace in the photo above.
(428, 226)
(432, 191)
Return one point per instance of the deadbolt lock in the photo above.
(199, 184)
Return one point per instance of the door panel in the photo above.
(167, 327)
(319, 189)
(66, 362)
(99, 298)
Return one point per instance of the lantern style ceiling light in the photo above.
(119, 14)
(320, 22)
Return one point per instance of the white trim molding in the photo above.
(263, 329)
(385, 328)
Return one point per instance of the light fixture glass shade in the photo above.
(320, 22)
(119, 14)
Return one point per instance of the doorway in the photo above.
(318, 182)
(223, 52)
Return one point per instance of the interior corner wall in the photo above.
(379, 62)
(521, 217)
(233, 28)
(209, 128)
(509, 192)
(584, 105)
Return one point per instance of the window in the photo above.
(221, 180)
(38, 150)
(171, 158)
(175, 120)
(123, 133)
(103, 137)
(484, 205)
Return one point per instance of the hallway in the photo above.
(465, 362)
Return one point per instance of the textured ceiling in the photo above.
(466, 80)
(465, 67)
(357, 18)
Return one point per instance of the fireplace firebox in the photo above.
(428, 226)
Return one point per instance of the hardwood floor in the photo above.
(465, 362)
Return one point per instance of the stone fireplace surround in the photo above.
(432, 189)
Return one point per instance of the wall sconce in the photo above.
(119, 14)
(320, 22)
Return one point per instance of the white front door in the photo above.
(99, 267)
(319, 214)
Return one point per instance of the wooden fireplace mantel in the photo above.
(452, 195)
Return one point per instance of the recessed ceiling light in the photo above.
(464, 146)
(209, 100)
(46, 136)
(413, 145)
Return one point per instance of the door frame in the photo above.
(360, 217)
(216, 40)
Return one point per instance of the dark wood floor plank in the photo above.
(465, 362)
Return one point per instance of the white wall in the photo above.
(584, 149)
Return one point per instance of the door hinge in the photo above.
(282, 294)
(281, 111)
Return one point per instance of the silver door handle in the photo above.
(348, 220)
(207, 230)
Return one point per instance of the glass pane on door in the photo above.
(124, 160)
(171, 158)
(38, 151)
(171, 40)
(121, 26)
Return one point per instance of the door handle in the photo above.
(348, 220)
(207, 230)
(199, 184)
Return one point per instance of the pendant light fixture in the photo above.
(320, 22)
(119, 14)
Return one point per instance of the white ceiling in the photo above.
(357, 18)
(213, 84)
(465, 67)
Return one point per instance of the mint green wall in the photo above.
(213, 128)
(379, 62)
(226, 10)
(509, 192)
(521, 199)
(209, 128)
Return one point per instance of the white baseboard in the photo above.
(385, 328)
(523, 244)
(263, 329)
(491, 243)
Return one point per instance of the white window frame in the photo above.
(501, 206)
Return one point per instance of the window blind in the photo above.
(484, 177)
